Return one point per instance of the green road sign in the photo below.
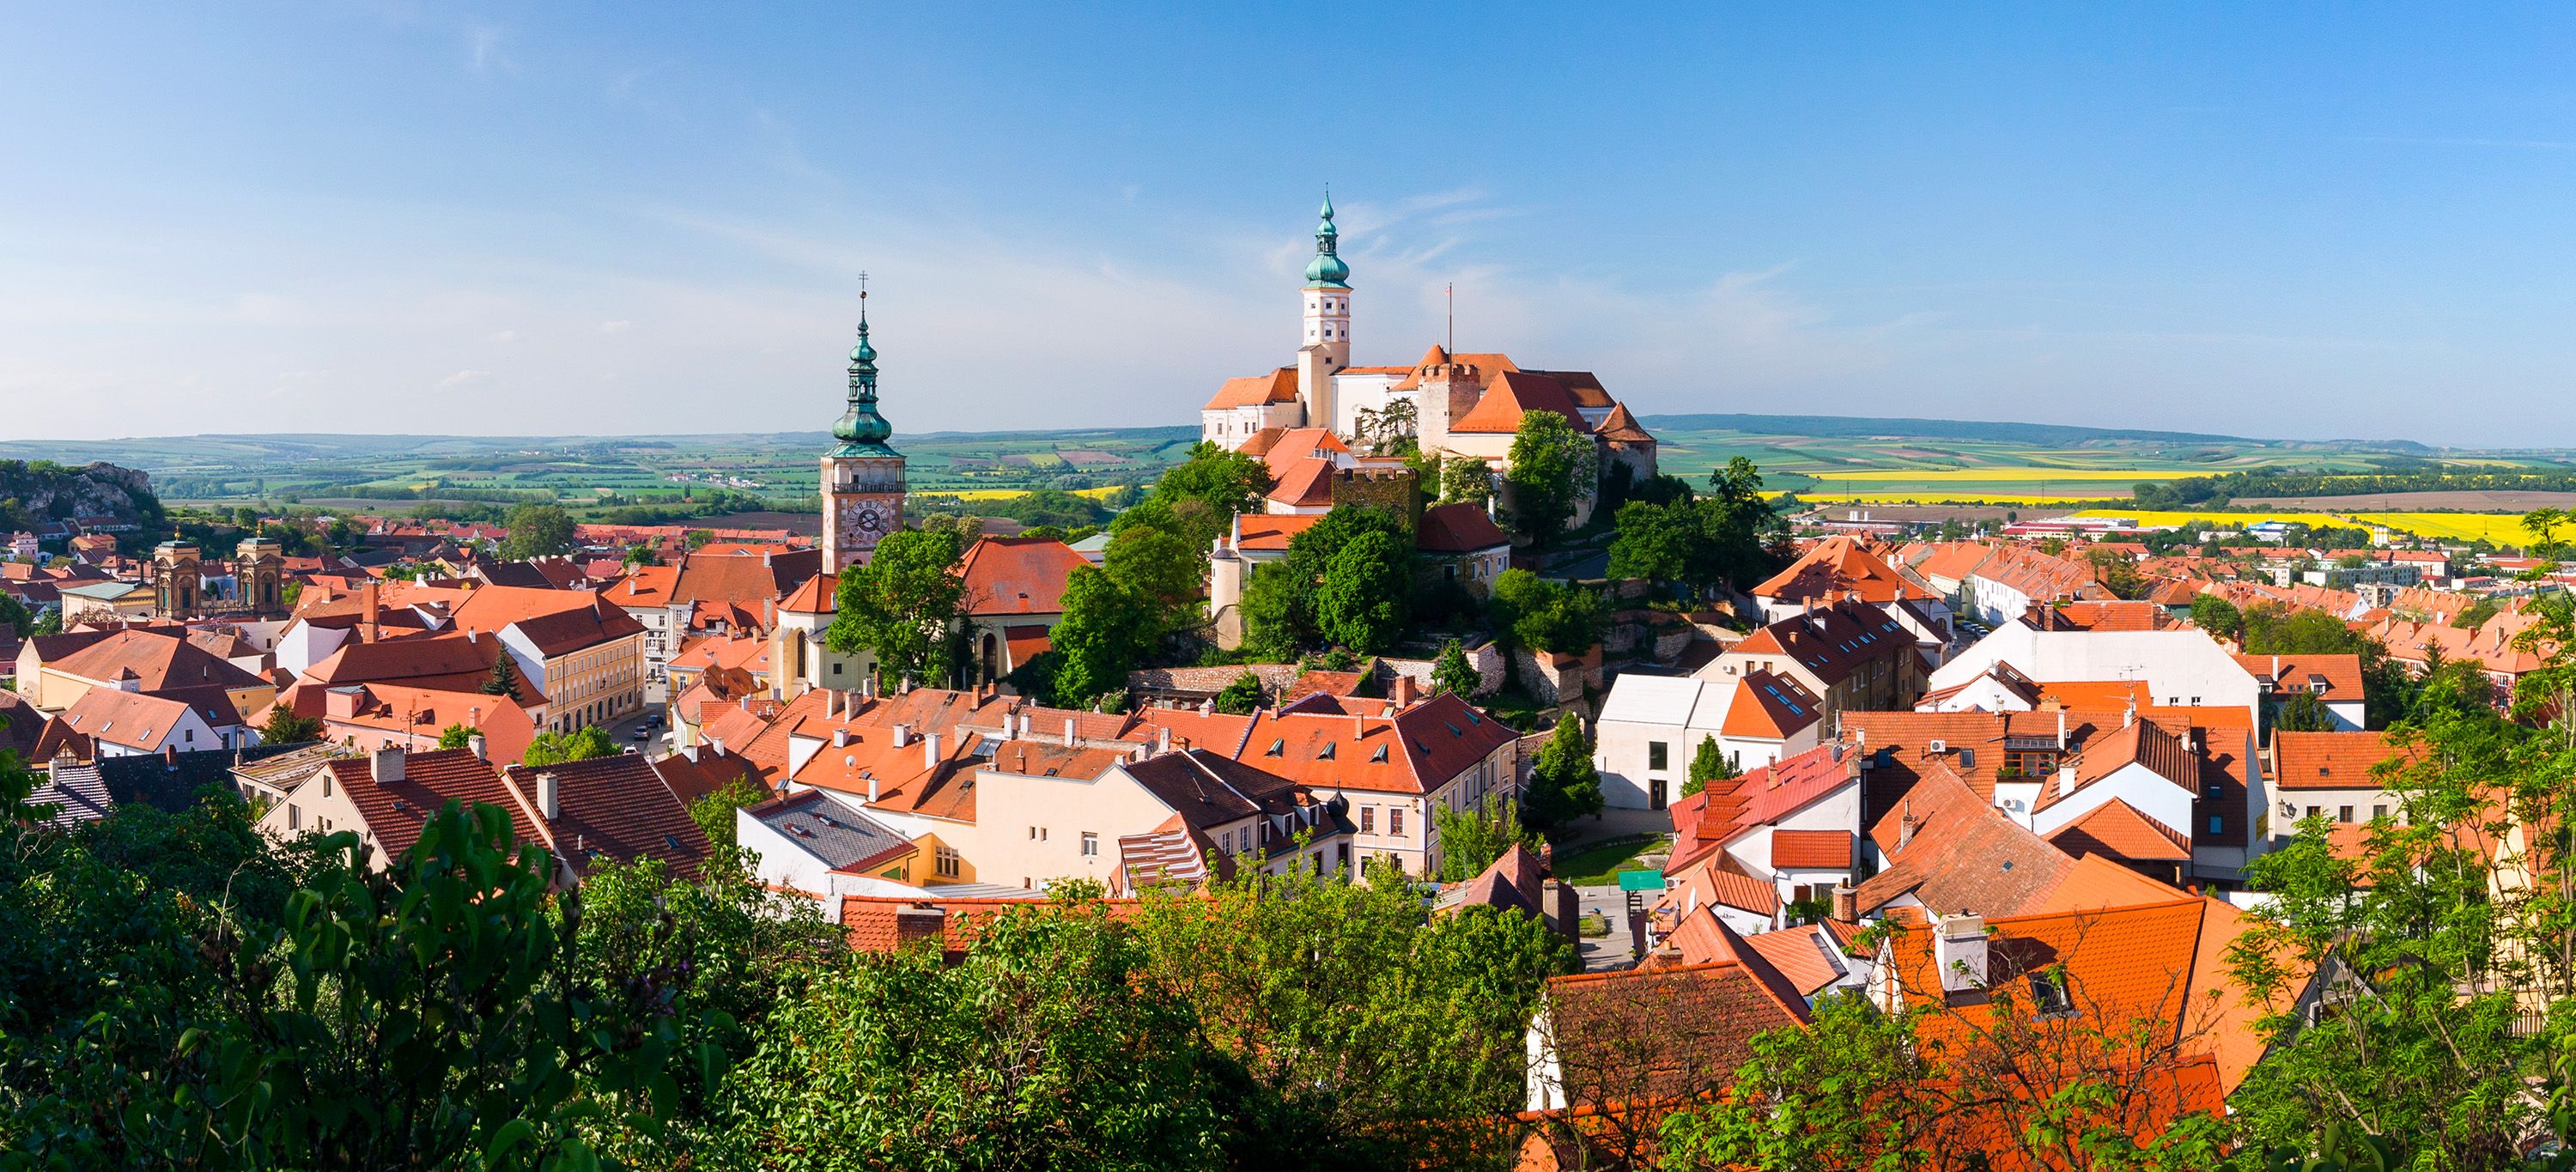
(1641, 881)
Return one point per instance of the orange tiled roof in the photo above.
(1840, 565)
(2117, 828)
(1826, 849)
(1017, 575)
(1260, 390)
(2328, 760)
(1513, 394)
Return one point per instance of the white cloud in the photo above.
(506, 336)
(618, 326)
(465, 378)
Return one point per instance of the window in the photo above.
(836, 669)
(294, 817)
(2312, 811)
(2378, 811)
(1368, 819)
(2218, 824)
(948, 864)
(1656, 756)
(2343, 814)
(2048, 996)
(1090, 845)
(1395, 820)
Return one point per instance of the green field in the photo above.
(1823, 458)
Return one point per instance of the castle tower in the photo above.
(862, 478)
(174, 579)
(1326, 350)
(257, 562)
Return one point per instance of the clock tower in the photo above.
(862, 477)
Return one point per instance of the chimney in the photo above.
(840, 738)
(1569, 911)
(386, 766)
(549, 796)
(1163, 739)
(367, 613)
(2065, 780)
(930, 751)
(1207, 706)
(1405, 693)
(902, 735)
(912, 924)
(831, 704)
(1068, 732)
(482, 748)
(872, 787)
(2061, 730)
(1846, 904)
(1961, 953)
(1905, 822)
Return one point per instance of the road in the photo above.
(623, 733)
(1616, 950)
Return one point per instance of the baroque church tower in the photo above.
(1327, 347)
(862, 478)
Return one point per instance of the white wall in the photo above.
(2147, 791)
(2183, 667)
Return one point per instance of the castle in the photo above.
(1449, 404)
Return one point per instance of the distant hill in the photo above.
(2035, 434)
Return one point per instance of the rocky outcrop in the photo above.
(41, 490)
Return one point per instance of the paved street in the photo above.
(623, 733)
(1616, 950)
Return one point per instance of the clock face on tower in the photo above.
(870, 521)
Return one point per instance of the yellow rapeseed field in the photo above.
(1937, 475)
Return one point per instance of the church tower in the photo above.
(1327, 347)
(174, 579)
(862, 478)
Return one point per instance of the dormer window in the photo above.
(1278, 748)
(1327, 753)
(1379, 757)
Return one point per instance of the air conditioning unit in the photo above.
(1937, 746)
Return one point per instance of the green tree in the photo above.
(1453, 673)
(1356, 1031)
(1564, 784)
(1164, 572)
(1725, 537)
(1550, 473)
(1466, 480)
(1708, 763)
(455, 736)
(2216, 615)
(1361, 602)
(1049, 1045)
(1277, 619)
(2117, 573)
(1225, 483)
(581, 744)
(713, 811)
(284, 727)
(1546, 614)
(1282, 602)
(906, 606)
(2542, 524)
(1105, 631)
(1243, 697)
(1471, 838)
(537, 531)
(504, 678)
(2303, 712)
(14, 616)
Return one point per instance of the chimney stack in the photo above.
(367, 613)
(930, 751)
(902, 735)
(2061, 730)
(1068, 732)
(482, 748)
(1163, 739)
(1405, 692)
(1846, 904)
(386, 765)
(1961, 952)
(913, 924)
(840, 738)
(549, 796)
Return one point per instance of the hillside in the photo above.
(36, 491)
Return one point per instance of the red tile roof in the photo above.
(2116, 828)
(1825, 849)
(2328, 760)
(159, 659)
(1951, 850)
(1831, 641)
(1278, 386)
(1458, 528)
(1770, 707)
(1513, 394)
(1840, 565)
(1017, 575)
(2340, 674)
(396, 812)
(613, 808)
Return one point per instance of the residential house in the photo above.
(1014, 598)
(2182, 668)
(1650, 728)
(2333, 775)
(1845, 655)
(2335, 680)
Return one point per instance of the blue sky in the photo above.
(550, 218)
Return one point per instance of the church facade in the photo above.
(862, 477)
(1463, 404)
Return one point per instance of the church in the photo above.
(862, 478)
(1449, 404)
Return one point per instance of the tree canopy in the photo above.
(1552, 471)
(905, 607)
(535, 531)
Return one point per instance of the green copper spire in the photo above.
(860, 429)
(1327, 269)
